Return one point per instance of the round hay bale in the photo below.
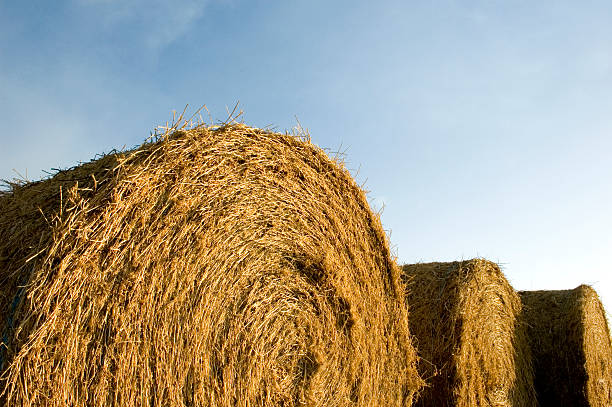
(465, 320)
(570, 343)
(223, 266)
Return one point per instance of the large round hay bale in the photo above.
(214, 267)
(570, 343)
(465, 320)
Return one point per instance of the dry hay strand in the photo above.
(473, 349)
(570, 343)
(225, 266)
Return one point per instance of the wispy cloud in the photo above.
(161, 22)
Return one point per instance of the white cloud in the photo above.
(161, 22)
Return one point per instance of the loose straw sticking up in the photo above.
(217, 266)
(570, 342)
(465, 320)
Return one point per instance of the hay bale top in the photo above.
(465, 318)
(212, 266)
(570, 341)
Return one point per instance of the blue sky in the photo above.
(482, 127)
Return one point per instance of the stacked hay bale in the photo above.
(570, 343)
(465, 320)
(213, 267)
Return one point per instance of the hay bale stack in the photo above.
(570, 343)
(465, 320)
(213, 267)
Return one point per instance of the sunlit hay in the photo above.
(465, 320)
(214, 267)
(570, 342)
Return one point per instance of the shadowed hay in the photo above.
(570, 343)
(465, 320)
(217, 266)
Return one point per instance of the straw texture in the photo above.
(465, 317)
(570, 342)
(222, 266)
